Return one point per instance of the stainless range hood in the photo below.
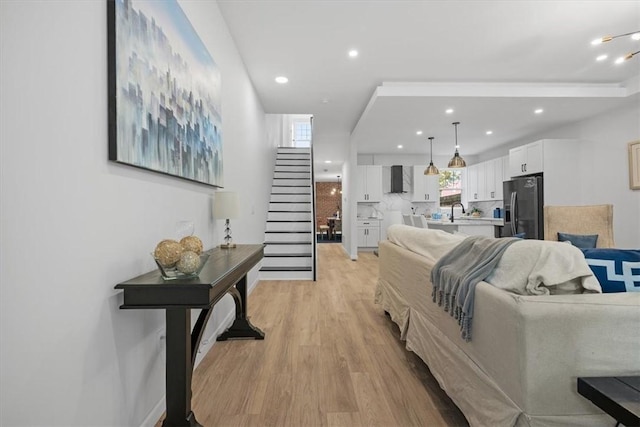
(396, 179)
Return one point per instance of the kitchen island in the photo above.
(468, 225)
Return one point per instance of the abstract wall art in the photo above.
(164, 92)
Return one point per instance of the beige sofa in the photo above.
(521, 366)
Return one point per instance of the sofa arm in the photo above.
(543, 343)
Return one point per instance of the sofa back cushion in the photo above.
(582, 241)
(617, 270)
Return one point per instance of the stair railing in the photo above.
(313, 209)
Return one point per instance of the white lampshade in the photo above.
(225, 205)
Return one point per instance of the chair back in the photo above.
(589, 219)
(420, 221)
(407, 219)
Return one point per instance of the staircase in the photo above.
(290, 245)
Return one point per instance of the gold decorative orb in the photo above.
(188, 263)
(192, 243)
(168, 252)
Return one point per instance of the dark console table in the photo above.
(225, 272)
(617, 396)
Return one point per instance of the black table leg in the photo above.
(179, 369)
(241, 327)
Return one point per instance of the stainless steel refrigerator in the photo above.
(523, 201)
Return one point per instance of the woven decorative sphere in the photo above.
(188, 263)
(168, 252)
(192, 243)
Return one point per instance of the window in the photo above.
(301, 134)
(450, 187)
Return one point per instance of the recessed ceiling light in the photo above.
(419, 132)
(619, 60)
(400, 147)
(635, 36)
(327, 161)
(353, 53)
(449, 110)
(601, 57)
(538, 111)
(281, 79)
(489, 132)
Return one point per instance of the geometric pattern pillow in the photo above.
(617, 270)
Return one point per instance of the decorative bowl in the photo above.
(172, 273)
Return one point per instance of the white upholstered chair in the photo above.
(420, 221)
(407, 219)
(590, 219)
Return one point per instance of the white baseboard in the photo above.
(206, 344)
(155, 413)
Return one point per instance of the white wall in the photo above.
(73, 224)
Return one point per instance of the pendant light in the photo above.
(431, 169)
(457, 161)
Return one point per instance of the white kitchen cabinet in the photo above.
(368, 233)
(493, 179)
(473, 176)
(369, 182)
(426, 188)
(476, 185)
(517, 158)
(484, 181)
(527, 159)
(506, 173)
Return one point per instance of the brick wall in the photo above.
(326, 203)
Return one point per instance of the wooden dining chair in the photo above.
(322, 227)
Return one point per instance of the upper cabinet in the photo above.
(506, 173)
(493, 179)
(369, 183)
(426, 188)
(484, 180)
(527, 159)
(473, 183)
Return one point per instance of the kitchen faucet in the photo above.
(457, 203)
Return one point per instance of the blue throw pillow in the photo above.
(582, 241)
(520, 235)
(617, 270)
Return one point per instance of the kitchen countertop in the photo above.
(467, 221)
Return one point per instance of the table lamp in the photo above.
(225, 206)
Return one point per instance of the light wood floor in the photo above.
(330, 357)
